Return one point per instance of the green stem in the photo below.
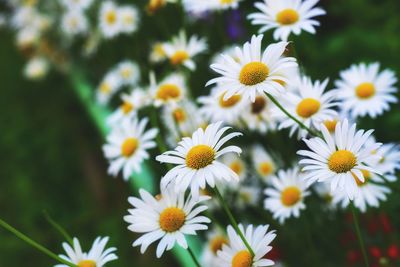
(276, 102)
(58, 228)
(233, 221)
(359, 236)
(154, 122)
(34, 244)
(196, 262)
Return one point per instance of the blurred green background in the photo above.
(51, 156)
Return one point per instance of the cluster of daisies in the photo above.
(258, 90)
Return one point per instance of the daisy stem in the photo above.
(359, 236)
(154, 122)
(196, 262)
(276, 102)
(58, 227)
(233, 221)
(34, 244)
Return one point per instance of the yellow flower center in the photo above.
(126, 73)
(236, 166)
(233, 100)
(111, 17)
(367, 176)
(265, 168)
(253, 73)
(258, 105)
(179, 115)
(154, 5)
(105, 88)
(179, 57)
(226, 2)
(342, 161)
(200, 156)
(168, 91)
(126, 107)
(129, 147)
(287, 16)
(216, 243)
(290, 196)
(87, 263)
(242, 259)
(330, 125)
(365, 90)
(159, 50)
(308, 107)
(172, 219)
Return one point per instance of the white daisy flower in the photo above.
(229, 50)
(27, 37)
(129, 72)
(110, 84)
(180, 51)
(216, 108)
(74, 22)
(285, 198)
(310, 105)
(170, 90)
(201, 6)
(259, 115)
(247, 196)
(110, 19)
(371, 193)
(131, 103)
(263, 163)
(168, 218)
(76, 4)
(98, 256)
(196, 160)
(256, 71)
(366, 91)
(389, 161)
(236, 254)
(286, 17)
(127, 146)
(215, 240)
(157, 53)
(129, 19)
(336, 159)
(36, 68)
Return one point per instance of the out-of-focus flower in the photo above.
(108, 87)
(366, 91)
(286, 196)
(256, 72)
(74, 22)
(263, 163)
(197, 160)
(157, 53)
(236, 164)
(259, 115)
(98, 256)
(168, 218)
(76, 4)
(129, 19)
(286, 17)
(127, 146)
(169, 91)
(215, 240)
(236, 253)
(200, 6)
(129, 72)
(181, 51)
(339, 160)
(110, 19)
(36, 68)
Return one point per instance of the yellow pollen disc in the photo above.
(308, 107)
(287, 16)
(226, 2)
(168, 91)
(126, 73)
(179, 57)
(216, 243)
(258, 105)
(154, 5)
(126, 107)
(129, 147)
(179, 115)
(253, 73)
(242, 259)
(200, 156)
(365, 90)
(105, 88)
(111, 17)
(367, 176)
(172, 219)
(290, 196)
(342, 161)
(265, 168)
(87, 263)
(236, 166)
(230, 102)
(330, 125)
